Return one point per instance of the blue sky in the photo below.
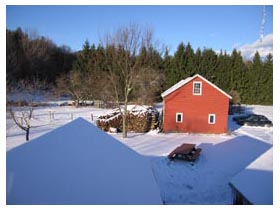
(216, 27)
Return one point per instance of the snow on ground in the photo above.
(204, 182)
(43, 123)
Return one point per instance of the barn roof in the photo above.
(187, 80)
(79, 164)
(255, 182)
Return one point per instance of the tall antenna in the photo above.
(263, 23)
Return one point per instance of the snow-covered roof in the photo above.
(255, 182)
(79, 164)
(187, 80)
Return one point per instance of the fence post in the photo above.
(91, 117)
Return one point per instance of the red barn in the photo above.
(195, 105)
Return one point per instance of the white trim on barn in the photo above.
(187, 80)
(181, 118)
(195, 89)
(213, 116)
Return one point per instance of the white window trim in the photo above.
(179, 113)
(209, 117)
(199, 82)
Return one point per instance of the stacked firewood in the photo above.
(139, 119)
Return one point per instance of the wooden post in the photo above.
(91, 117)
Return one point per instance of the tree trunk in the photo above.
(124, 131)
(77, 103)
(27, 133)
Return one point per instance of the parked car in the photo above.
(254, 120)
(241, 117)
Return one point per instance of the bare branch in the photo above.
(123, 48)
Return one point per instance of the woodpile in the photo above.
(140, 119)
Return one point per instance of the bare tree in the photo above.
(148, 84)
(75, 84)
(123, 62)
(26, 93)
(23, 121)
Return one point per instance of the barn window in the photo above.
(211, 119)
(197, 88)
(179, 117)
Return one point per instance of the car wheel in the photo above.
(267, 125)
(246, 124)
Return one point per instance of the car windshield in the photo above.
(251, 117)
(263, 118)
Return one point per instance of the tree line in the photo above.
(30, 56)
(130, 60)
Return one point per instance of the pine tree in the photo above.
(237, 69)
(190, 57)
(222, 76)
(168, 70)
(179, 64)
(197, 61)
(208, 63)
(258, 80)
(268, 83)
(80, 82)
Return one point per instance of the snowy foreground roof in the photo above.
(255, 182)
(79, 164)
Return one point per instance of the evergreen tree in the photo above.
(179, 64)
(83, 61)
(257, 79)
(197, 60)
(222, 76)
(190, 57)
(268, 82)
(208, 63)
(237, 70)
(79, 77)
(168, 70)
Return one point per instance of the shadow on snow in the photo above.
(206, 181)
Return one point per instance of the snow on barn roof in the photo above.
(79, 164)
(255, 182)
(187, 80)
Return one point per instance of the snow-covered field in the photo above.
(204, 182)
